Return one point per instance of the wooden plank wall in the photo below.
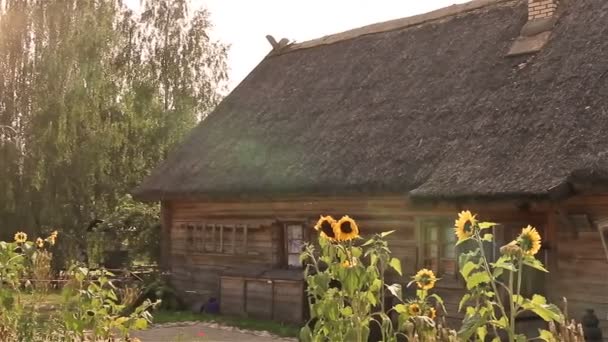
(581, 273)
(376, 214)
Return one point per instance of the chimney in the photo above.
(542, 16)
(539, 9)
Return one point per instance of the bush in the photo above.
(346, 288)
(130, 234)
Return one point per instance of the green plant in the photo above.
(342, 290)
(89, 308)
(346, 288)
(491, 302)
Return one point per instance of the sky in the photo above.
(244, 24)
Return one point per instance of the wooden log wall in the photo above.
(571, 262)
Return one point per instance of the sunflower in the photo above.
(39, 242)
(349, 264)
(432, 313)
(346, 229)
(20, 237)
(425, 279)
(463, 227)
(326, 226)
(414, 309)
(529, 240)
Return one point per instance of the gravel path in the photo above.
(204, 332)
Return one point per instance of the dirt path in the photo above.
(205, 332)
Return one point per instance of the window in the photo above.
(294, 242)
(438, 246)
(215, 238)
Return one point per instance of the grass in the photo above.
(284, 330)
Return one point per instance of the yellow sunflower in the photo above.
(39, 242)
(432, 313)
(414, 309)
(463, 226)
(326, 226)
(20, 237)
(346, 229)
(349, 264)
(529, 240)
(425, 279)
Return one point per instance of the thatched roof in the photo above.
(430, 108)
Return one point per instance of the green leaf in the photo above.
(482, 332)
(538, 299)
(535, 263)
(400, 308)
(356, 252)
(396, 265)
(467, 268)
(502, 323)
(371, 298)
(367, 243)
(476, 279)
(463, 301)
(305, 334)
(546, 336)
(140, 324)
(385, 234)
(488, 237)
(486, 225)
(347, 311)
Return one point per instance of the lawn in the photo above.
(284, 330)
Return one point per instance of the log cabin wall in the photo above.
(197, 268)
(580, 269)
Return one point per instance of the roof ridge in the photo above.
(391, 25)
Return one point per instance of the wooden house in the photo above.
(497, 106)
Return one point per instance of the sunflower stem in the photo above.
(512, 306)
(486, 266)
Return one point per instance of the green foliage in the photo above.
(86, 113)
(343, 291)
(346, 292)
(490, 302)
(133, 226)
(88, 309)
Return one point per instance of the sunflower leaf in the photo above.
(385, 234)
(400, 308)
(477, 278)
(535, 263)
(463, 301)
(396, 265)
(368, 242)
(486, 225)
(546, 335)
(468, 267)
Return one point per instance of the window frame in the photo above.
(286, 253)
(422, 243)
(195, 237)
